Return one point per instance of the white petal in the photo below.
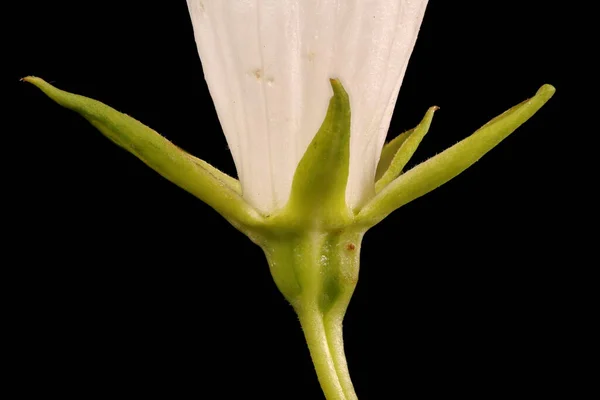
(268, 63)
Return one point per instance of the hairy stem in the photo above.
(335, 339)
(326, 345)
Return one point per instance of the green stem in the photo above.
(333, 328)
(327, 351)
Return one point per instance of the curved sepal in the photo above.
(319, 185)
(405, 146)
(215, 188)
(440, 169)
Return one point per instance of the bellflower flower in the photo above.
(304, 91)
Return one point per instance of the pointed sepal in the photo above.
(440, 169)
(196, 176)
(405, 146)
(319, 184)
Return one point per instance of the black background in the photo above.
(122, 283)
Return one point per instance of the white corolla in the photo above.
(268, 64)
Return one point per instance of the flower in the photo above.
(271, 66)
(268, 65)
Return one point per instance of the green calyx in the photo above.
(317, 197)
(316, 217)
(313, 243)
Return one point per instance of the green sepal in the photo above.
(319, 185)
(215, 188)
(389, 168)
(440, 169)
(389, 151)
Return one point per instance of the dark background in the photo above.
(123, 283)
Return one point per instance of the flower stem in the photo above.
(333, 327)
(325, 342)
